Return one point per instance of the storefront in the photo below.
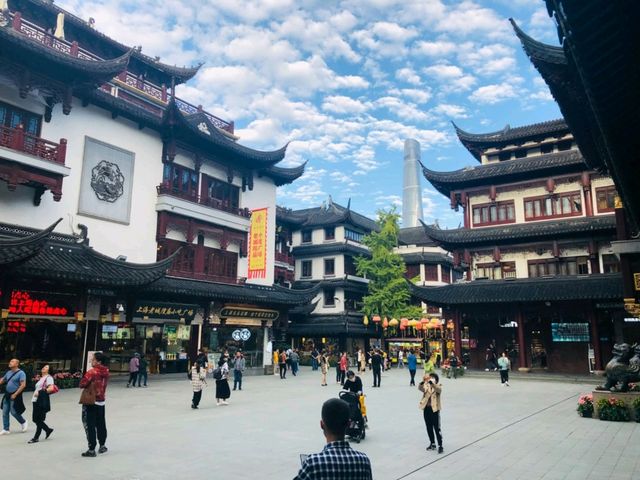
(42, 327)
(245, 328)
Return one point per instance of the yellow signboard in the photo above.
(636, 281)
(258, 244)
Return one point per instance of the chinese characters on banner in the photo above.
(258, 244)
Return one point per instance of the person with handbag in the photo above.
(12, 403)
(92, 399)
(41, 402)
(431, 406)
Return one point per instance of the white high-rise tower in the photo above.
(411, 193)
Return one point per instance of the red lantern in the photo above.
(385, 323)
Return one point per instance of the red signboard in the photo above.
(16, 327)
(22, 303)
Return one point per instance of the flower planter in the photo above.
(628, 398)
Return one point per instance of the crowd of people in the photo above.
(337, 454)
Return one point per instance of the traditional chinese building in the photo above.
(593, 77)
(92, 133)
(541, 277)
(427, 264)
(324, 243)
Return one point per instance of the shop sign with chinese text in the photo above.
(240, 312)
(164, 311)
(26, 302)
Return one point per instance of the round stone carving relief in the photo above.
(107, 181)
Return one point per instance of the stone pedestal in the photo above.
(627, 397)
(524, 370)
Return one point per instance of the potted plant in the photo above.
(636, 409)
(585, 405)
(613, 410)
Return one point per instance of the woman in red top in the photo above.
(93, 415)
(344, 363)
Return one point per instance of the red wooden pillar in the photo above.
(522, 350)
(595, 337)
(586, 188)
(457, 333)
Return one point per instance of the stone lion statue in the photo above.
(623, 368)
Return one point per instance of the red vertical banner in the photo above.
(258, 244)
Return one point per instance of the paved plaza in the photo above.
(527, 431)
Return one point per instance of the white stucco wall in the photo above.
(137, 239)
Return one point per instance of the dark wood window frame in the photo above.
(222, 194)
(412, 271)
(446, 273)
(306, 236)
(551, 267)
(329, 297)
(489, 270)
(12, 116)
(306, 269)
(431, 273)
(329, 233)
(608, 197)
(329, 267)
(610, 263)
(183, 181)
(486, 211)
(536, 208)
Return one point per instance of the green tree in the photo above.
(388, 293)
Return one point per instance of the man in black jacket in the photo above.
(376, 366)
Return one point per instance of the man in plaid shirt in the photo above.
(337, 461)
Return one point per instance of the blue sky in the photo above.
(346, 82)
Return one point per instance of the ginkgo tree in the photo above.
(388, 291)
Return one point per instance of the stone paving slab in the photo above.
(527, 431)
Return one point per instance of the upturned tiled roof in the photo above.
(330, 214)
(76, 24)
(332, 325)
(476, 143)
(328, 248)
(520, 169)
(522, 232)
(283, 175)
(229, 292)
(414, 236)
(425, 257)
(198, 130)
(562, 288)
(70, 259)
(18, 47)
(16, 249)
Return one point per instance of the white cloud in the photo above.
(437, 48)
(341, 104)
(451, 111)
(443, 71)
(495, 93)
(408, 75)
(389, 200)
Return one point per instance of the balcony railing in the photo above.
(284, 258)
(158, 93)
(164, 189)
(16, 139)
